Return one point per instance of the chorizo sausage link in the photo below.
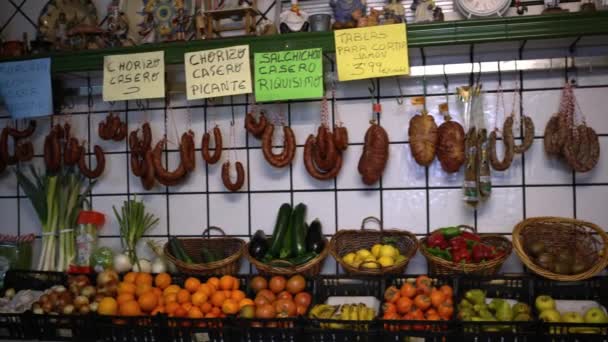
(186, 151)
(147, 178)
(240, 176)
(255, 128)
(341, 138)
(528, 126)
(321, 142)
(289, 147)
(217, 153)
(146, 131)
(121, 133)
(52, 152)
(5, 155)
(24, 151)
(99, 168)
(26, 133)
(134, 142)
(312, 169)
(164, 176)
(71, 152)
(375, 154)
(138, 163)
(329, 161)
(509, 143)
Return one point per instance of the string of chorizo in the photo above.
(528, 138)
(71, 152)
(99, 168)
(310, 166)
(240, 176)
(341, 138)
(52, 151)
(165, 177)
(26, 133)
(5, 155)
(509, 143)
(289, 147)
(186, 151)
(256, 128)
(24, 151)
(217, 153)
(329, 161)
(147, 178)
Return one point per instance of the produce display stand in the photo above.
(518, 288)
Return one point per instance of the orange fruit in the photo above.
(130, 308)
(148, 301)
(211, 315)
(230, 307)
(206, 307)
(215, 281)
(158, 310)
(162, 280)
(142, 288)
(171, 289)
(170, 298)
(158, 292)
(227, 293)
(183, 296)
(235, 283)
(244, 302)
(124, 297)
(226, 282)
(237, 295)
(107, 306)
(180, 312)
(218, 298)
(171, 307)
(143, 278)
(198, 298)
(195, 312)
(216, 311)
(130, 277)
(206, 289)
(187, 306)
(125, 287)
(192, 284)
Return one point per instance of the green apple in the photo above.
(550, 315)
(596, 315)
(544, 303)
(521, 308)
(572, 317)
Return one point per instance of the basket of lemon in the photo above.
(373, 252)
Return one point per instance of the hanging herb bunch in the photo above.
(134, 222)
(57, 199)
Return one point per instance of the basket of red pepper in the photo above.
(457, 250)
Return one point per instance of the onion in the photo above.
(158, 266)
(68, 309)
(93, 306)
(88, 291)
(84, 310)
(122, 263)
(81, 301)
(10, 293)
(106, 277)
(142, 265)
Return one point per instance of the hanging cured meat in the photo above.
(375, 154)
(450, 145)
(423, 138)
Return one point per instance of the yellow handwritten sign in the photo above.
(368, 52)
(218, 72)
(133, 77)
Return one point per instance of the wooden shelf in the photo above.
(495, 30)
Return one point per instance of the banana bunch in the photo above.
(346, 312)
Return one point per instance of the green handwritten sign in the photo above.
(288, 75)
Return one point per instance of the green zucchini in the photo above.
(298, 231)
(302, 259)
(279, 234)
(178, 250)
(208, 255)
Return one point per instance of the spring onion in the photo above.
(134, 222)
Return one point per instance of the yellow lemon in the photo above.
(386, 261)
(363, 253)
(349, 258)
(376, 250)
(399, 259)
(389, 251)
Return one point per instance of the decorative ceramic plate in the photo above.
(74, 12)
(163, 12)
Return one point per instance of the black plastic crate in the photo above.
(317, 330)
(196, 330)
(435, 331)
(127, 329)
(19, 326)
(263, 330)
(595, 289)
(62, 327)
(504, 287)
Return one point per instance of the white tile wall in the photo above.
(402, 202)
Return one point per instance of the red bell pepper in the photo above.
(470, 236)
(461, 255)
(481, 252)
(458, 243)
(437, 240)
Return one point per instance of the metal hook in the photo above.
(400, 98)
(232, 108)
(478, 74)
(424, 86)
(372, 89)
(499, 76)
(446, 84)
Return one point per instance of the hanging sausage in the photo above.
(164, 176)
(217, 153)
(375, 154)
(507, 135)
(187, 152)
(423, 138)
(100, 164)
(450, 144)
(253, 126)
(286, 156)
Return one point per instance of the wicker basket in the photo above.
(309, 269)
(590, 242)
(230, 248)
(352, 240)
(441, 266)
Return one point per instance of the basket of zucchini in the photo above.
(294, 248)
(206, 255)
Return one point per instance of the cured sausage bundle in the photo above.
(112, 128)
(450, 145)
(164, 176)
(256, 127)
(509, 144)
(423, 138)
(100, 164)
(322, 158)
(289, 147)
(375, 154)
(240, 176)
(23, 148)
(141, 158)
